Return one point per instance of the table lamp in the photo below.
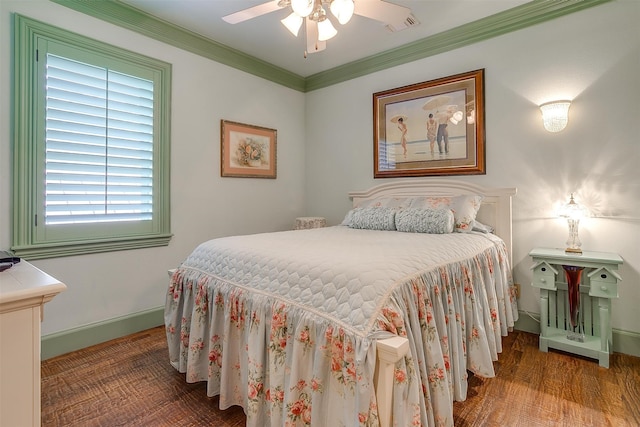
(574, 213)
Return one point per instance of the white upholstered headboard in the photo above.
(495, 209)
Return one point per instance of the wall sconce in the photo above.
(574, 213)
(555, 115)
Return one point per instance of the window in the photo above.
(91, 145)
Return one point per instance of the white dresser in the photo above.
(24, 290)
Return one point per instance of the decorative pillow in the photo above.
(384, 202)
(374, 218)
(434, 221)
(464, 208)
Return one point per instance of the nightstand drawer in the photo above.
(544, 278)
(603, 289)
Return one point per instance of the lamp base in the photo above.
(573, 251)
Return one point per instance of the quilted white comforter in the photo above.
(283, 324)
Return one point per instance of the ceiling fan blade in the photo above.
(313, 44)
(382, 11)
(252, 12)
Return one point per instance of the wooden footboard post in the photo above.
(390, 350)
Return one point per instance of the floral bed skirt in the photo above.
(288, 367)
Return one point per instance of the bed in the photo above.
(353, 324)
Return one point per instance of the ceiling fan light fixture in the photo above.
(303, 7)
(318, 28)
(326, 30)
(342, 10)
(293, 23)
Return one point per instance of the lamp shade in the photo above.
(293, 23)
(555, 115)
(303, 7)
(326, 30)
(342, 10)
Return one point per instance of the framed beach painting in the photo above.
(247, 151)
(430, 128)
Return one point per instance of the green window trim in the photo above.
(31, 41)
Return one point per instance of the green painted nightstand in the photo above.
(598, 285)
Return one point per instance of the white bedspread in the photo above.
(282, 323)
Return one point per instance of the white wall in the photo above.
(591, 57)
(203, 205)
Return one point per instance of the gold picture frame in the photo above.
(430, 128)
(247, 151)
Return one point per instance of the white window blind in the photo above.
(99, 144)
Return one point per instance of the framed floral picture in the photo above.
(247, 151)
(430, 128)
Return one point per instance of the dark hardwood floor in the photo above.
(129, 382)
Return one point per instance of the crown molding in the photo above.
(123, 15)
(510, 20)
(514, 19)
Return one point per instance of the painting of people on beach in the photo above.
(431, 128)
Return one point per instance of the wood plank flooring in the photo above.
(129, 382)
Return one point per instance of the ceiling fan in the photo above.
(318, 27)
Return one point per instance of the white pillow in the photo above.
(385, 202)
(433, 221)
